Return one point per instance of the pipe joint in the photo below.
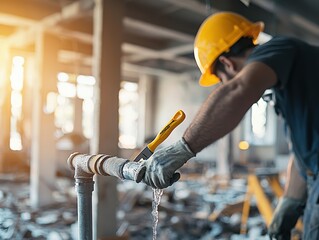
(85, 166)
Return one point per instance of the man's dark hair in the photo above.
(237, 50)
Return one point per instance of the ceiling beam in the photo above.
(127, 67)
(12, 20)
(167, 54)
(193, 6)
(146, 18)
(77, 61)
(27, 36)
(290, 16)
(74, 10)
(145, 41)
(161, 31)
(30, 9)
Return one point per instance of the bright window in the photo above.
(16, 80)
(128, 115)
(84, 90)
(72, 86)
(259, 119)
(260, 127)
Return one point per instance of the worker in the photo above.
(227, 53)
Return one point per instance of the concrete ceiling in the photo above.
(158, 34)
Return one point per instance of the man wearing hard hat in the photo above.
(227, 53)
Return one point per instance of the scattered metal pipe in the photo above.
(84, 167)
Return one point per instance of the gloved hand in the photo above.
(161, 166)
(285, 217)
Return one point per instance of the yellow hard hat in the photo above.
(216, 35)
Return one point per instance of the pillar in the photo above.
(27, 106)
(43, 150)
(146, 108)
(78, 116)
(223, 155)
(5, 107)
(107, 41)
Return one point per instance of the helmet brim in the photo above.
(208, 79)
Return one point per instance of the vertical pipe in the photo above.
(85, 166)
(84, 187)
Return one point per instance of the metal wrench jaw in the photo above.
(133, 171)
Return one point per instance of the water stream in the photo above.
(157, 195)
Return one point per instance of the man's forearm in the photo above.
(227, 105)
(295, 186)
(220, 114)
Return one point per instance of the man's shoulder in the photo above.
(277, 46)
(281, 40)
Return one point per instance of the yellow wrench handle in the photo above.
(166, 131)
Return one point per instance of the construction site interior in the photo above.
(104, 76)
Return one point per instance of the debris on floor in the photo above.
(19, 221)
(188, 210)
(199, 206)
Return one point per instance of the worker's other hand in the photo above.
(162, 165)
(285, 218)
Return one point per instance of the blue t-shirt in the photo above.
(296, 65)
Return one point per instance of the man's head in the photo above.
(228, 64)
(221, 38)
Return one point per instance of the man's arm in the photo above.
(221, 112)
(291, 204)
(296, 186)
(226, 106)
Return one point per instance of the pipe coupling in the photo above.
(86, 165)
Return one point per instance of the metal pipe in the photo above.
(105, 165)
(85, 166)
(84, 189)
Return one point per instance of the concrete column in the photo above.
(78, 116)
(27, 106)
(43, 150)
(146, 108)
(108, 15)
(223, 154)
(5, 107)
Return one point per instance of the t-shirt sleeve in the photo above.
(278, 54)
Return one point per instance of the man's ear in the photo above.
(228, 63)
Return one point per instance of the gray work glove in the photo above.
(285, 218)
(161, 166)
